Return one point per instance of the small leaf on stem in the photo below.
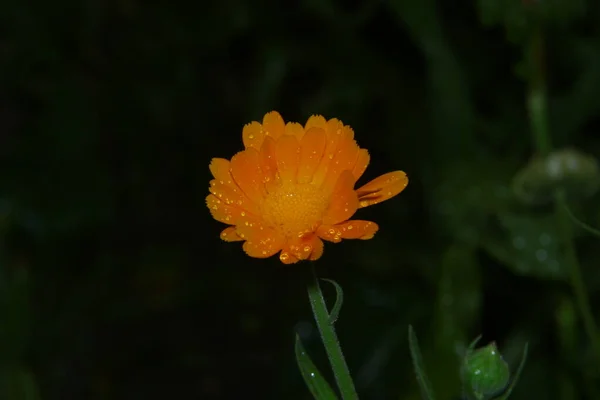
(316, 383)
(339, 300)
(580, 223)
(515, 379)
(415, 352)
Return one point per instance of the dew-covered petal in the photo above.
(331, 233)
(312, 147)
(317, 250)
(268, 164)
(287, 155)
(247, 174)
(294, 129)
(344, 158)
(224, 187)
(229, 235)
(333, 130)
(301, 248)
(253, 135)
(357, 229)
(288, 258)
(344, 201)
(261, 241)
(222, 212)
(219, 168)
(348, 131)
(382, 188)
(316, 121)
(232, 195)
(273, 125)
(354, 229)
(362, 161)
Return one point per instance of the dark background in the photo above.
(115, 284)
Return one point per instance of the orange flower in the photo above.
(293, 185)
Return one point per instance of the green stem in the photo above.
(577, 282)
(536, 101)
(536, 98)
(330, 340)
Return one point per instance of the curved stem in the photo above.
(577, 282)
(329, 338)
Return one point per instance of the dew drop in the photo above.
(545, 239)
(541, 255)
(519, 242)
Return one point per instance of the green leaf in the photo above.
(467, 194)
(415, 353)
(515, 379)
(316, 383)
(529, 245)
(339, 300)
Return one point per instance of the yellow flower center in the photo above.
(295, 208)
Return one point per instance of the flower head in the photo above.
(293, 185)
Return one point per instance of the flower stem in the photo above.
(536, 101)
(329, 338)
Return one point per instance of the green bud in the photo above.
(575, 172)
(484, 372)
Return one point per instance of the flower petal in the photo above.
(312, 147)
(260, 240)
(317, 251)
(229, 235)
(232, 196)
(302, 248)
(316, 121)
(362, 162)
(354, 229)
(344, 200)
(348, 131)
(357, 229)
(247, 174)
(273, 124)
(382, 188)
(224, 213)
(219, 167)
(288, 258)
(294, 129)
(333, 129)
(225, 188)
(268, 164)
(253, 135)
(287, 155)
(344, 158)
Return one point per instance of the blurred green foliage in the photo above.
(111, 111)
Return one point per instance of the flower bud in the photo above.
(577, 173)
(484, 372)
